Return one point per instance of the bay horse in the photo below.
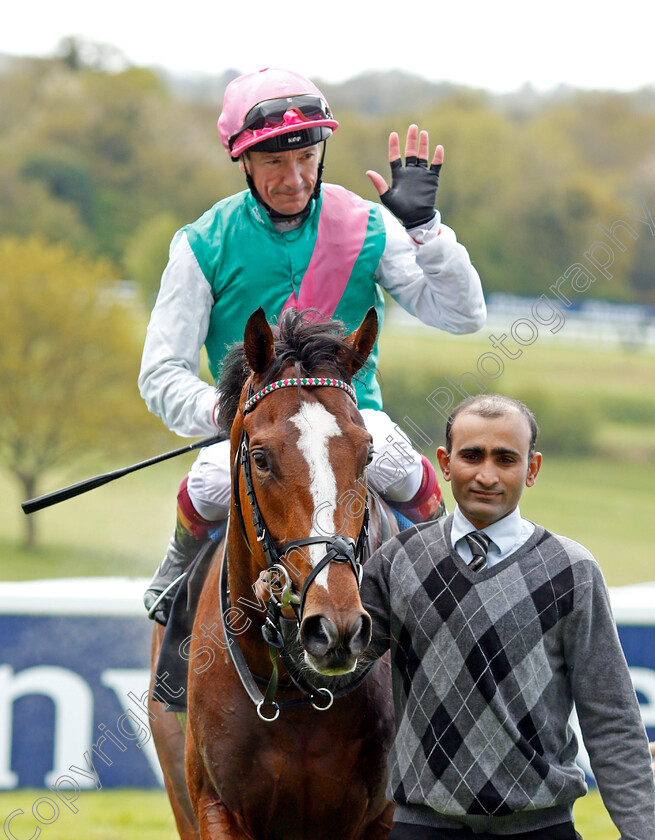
(288, 729)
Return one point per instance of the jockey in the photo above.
(290, 240)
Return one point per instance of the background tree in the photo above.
(146, 254)
(70, 346)
(97, 153)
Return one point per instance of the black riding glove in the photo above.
(413, 191)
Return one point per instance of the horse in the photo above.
(288, 726)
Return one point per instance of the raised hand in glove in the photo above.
(413, 190)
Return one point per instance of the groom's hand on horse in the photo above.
(263, 586)
(413, 190)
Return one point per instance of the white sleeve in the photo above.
(431, 276)
(169, 379)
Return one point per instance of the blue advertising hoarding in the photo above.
(74, 673)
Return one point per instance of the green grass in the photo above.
(605, 506)
(602, 499)
(146, 815)
(122, 528)
(614, 374)
(101, 815)
(592, 821)
(608, 389)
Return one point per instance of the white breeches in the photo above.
(396, 471)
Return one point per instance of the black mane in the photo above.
(312, 346)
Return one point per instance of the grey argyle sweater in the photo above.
(486, 668)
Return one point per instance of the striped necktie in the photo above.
(479, 544)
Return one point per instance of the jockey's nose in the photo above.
(293, 173)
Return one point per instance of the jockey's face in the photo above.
(285, 180)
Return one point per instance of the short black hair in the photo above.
(492, 405)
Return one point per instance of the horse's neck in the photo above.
(243, 564)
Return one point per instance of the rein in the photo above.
(339, 549)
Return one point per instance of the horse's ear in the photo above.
(258, 343)
(362, 340)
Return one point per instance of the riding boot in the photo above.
(427, 503)
(191, 533)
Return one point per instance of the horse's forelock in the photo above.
(311, 346)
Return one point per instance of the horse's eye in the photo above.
(259, 459)
(371, 453)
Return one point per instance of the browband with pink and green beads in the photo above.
(305, 381)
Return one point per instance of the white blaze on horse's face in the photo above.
(316, 426)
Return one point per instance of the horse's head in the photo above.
(303, 449)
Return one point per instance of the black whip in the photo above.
(32, 505)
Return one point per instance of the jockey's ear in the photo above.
(258, 342)
(361, 341)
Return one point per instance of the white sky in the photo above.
(497, 46)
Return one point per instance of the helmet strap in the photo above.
(317, 188)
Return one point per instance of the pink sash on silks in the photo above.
(341, 232)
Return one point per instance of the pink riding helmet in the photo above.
(269, 119)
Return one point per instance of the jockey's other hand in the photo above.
(413, 190)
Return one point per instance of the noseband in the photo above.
(339, 549)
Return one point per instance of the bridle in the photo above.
(339, 549)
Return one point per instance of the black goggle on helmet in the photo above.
(306, 117)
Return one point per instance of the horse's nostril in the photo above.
(359, 635)
(317, 635)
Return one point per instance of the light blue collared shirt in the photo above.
(507, 535)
